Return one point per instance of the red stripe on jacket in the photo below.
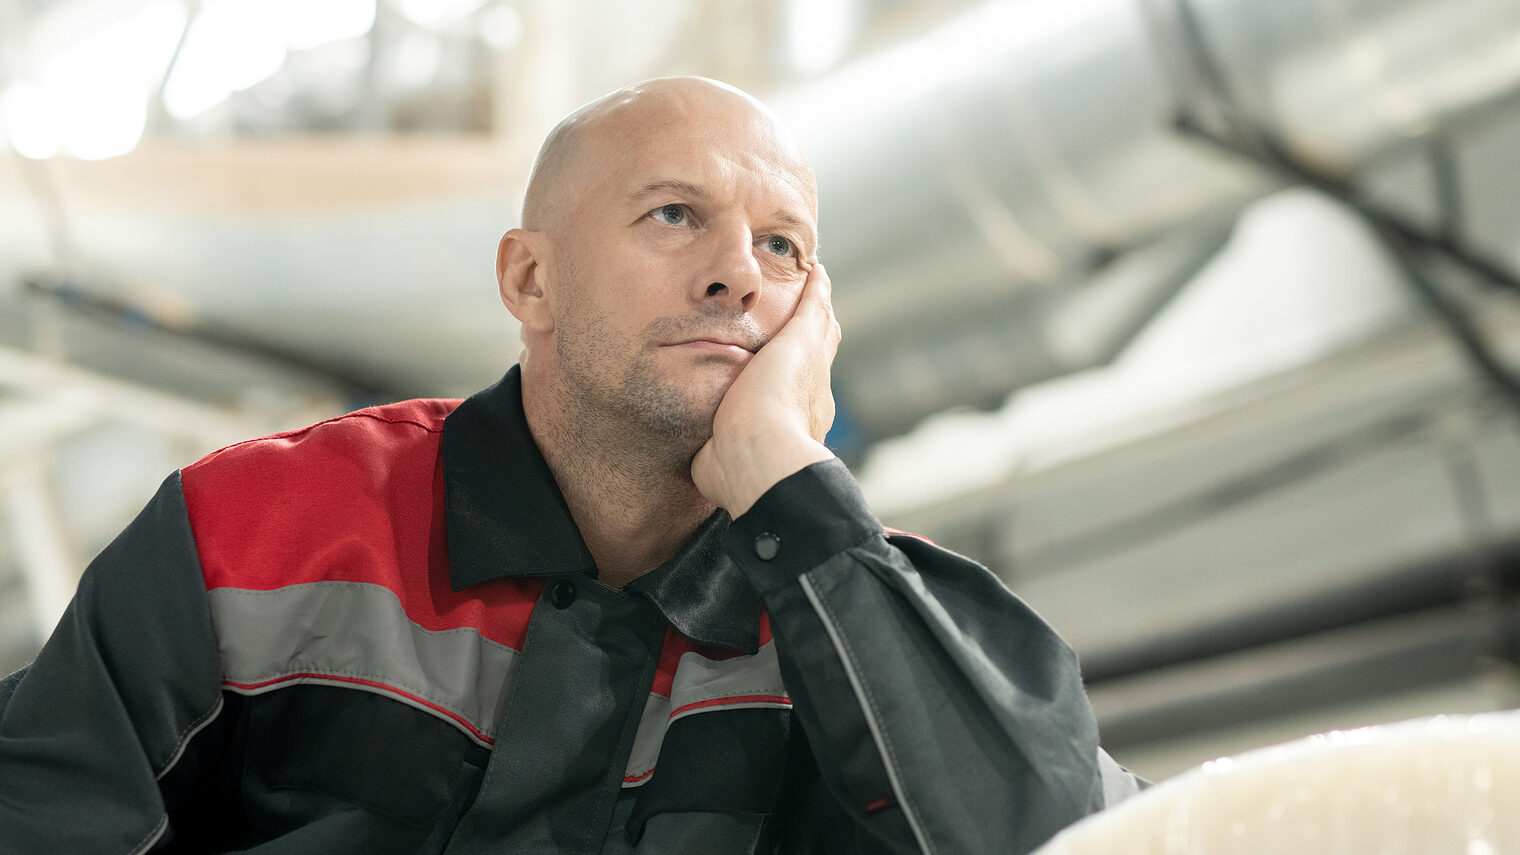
(677, 645)
(358, 498)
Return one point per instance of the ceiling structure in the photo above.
(1056, 231)
(981, 165)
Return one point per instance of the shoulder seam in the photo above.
(897, 532)
(308, 428)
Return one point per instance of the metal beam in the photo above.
(49, 383)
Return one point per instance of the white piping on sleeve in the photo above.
(869, 710)
(189, 734)
(152, 838)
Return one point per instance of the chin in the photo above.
(705, 390)
(703, 411)
(681, 407)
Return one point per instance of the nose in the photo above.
(732, 273)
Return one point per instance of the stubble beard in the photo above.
(641, 413)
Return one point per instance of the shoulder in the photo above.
(278, 502)
(367, 438)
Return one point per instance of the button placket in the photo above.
(562, 747)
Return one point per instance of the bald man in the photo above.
(624, 600)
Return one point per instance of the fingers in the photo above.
(816, 302)
(822, 293)
(818, 281)
(817, 308)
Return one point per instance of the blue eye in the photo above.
(778, 245)
(670, 215)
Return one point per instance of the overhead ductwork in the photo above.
(975, 177)
(993, 191)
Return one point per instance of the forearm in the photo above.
(128, 678)
(918, 677)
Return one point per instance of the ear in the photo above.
(519, 277)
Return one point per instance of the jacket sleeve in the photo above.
(93, 727)
(943, 714)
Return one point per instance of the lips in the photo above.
(717, 347)
(710, 331)
(719, 342)
(731, 338)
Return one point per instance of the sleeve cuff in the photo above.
(802, 521)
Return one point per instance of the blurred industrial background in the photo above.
(1196, 320)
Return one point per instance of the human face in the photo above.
(682, 256)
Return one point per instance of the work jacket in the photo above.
(384, 634)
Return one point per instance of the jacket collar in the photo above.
(506, 517)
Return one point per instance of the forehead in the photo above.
(732, 151)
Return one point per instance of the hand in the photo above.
(772, 420)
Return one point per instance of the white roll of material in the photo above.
(1448, 785)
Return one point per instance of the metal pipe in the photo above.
(985, 162)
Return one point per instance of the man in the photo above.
(625, 600)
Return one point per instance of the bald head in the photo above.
(589, 140)
(668, 232)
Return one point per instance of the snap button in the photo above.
(767, 546)
(562, 594)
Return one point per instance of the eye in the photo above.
(670, 215)
(778, 245)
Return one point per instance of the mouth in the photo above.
(717, 345)
(736, 340)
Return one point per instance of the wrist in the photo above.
(757, 463)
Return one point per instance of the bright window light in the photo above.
(95, 92)
(231, 45)
(235, 44)
(29, 124)
(108, 123)
(431, 13)
(819, 31)
(309, 23)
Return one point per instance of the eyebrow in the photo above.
(788, 218)
(684, 188)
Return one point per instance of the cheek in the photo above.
(587, 319)
(778, 305)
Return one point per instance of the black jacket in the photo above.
(383, 633)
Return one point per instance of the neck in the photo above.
(634, 502)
